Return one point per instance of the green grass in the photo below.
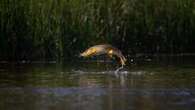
(57, 29)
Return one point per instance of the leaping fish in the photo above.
(104, 49)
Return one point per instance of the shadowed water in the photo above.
(95, 86)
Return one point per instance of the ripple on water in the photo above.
(140, 72)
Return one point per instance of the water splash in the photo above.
(117, 70)
(121, 71)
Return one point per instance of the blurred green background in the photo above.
(60, 29)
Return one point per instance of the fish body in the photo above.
(104, 49)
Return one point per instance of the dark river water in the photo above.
(95, 86)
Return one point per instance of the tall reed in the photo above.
(60, 29)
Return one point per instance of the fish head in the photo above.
(88, 52)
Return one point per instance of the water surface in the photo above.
(95, 86)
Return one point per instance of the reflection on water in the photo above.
(96, 87)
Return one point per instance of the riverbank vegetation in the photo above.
(61, 29)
